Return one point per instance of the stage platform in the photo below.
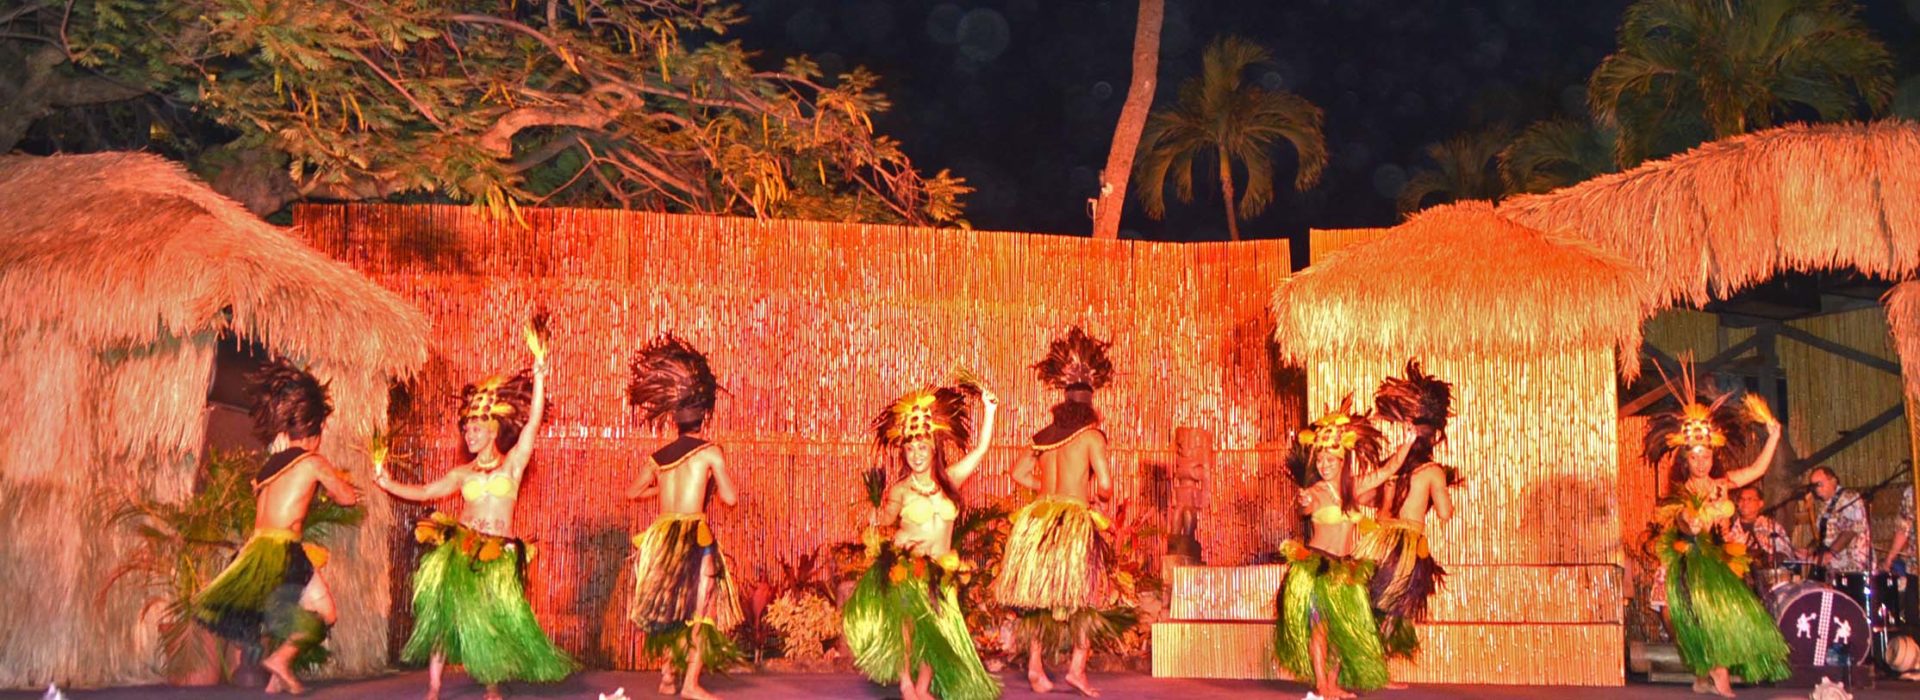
(768, 686)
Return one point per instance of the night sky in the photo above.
(1020, 97)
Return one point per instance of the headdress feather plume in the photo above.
(289, 400)
(1076, 359)
(669, 377)
(1419, 399)
(1718, 422)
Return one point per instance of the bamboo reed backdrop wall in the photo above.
(811, 328)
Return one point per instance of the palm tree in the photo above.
(1219, 120)
(1463, 167)
(1553, 154)
(1692, 70)
(1112, 196)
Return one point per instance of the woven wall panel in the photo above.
(1497, 594)
(811, 327)
(1541, 655)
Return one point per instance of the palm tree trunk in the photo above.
(1226, 191)
(1112, 197)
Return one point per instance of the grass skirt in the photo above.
(1717, 620)
(1056, 559)
(469, 604)
(257, 598)
(1320, 588)
(1057, 629)
(1404, 578)
(903, 590)
(667, 564)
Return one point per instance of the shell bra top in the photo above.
(1332, 513)
(919, 508)
(490, 484)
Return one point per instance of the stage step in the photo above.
(1222, 627)
(1524, 594)
(1548, 654)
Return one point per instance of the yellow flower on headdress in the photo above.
(1696, 428)
(1335, 431)
(914, 417)
(485, 402)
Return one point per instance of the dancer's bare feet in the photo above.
(1722, 685)
(493, 693)
(667, 686)
(693, 691)
(1079, 682)
(1334, 692)
(1040, 682)
(276, 665)
(433, 693)
(273, 685)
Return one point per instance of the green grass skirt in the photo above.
(1323, 589)
(1717, 621)
(891, 597)
(256, 599)
(476, 613)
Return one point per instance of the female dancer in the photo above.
(1717, 621)
(1326, 633)
(469, 604)
(903, 621)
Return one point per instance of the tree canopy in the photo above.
(632, 103)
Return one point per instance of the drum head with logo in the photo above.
(1814, 617)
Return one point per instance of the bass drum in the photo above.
(1890, 600)
(1815, 619)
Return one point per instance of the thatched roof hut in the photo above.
(1526, 327)
(1732, 213)
(1737, 211)
(1459, 280)
(119, 273)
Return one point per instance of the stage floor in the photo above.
(757, 686)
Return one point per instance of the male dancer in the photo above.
(1056, 564)
(1406, 575)
(683, 595)
(273, 589)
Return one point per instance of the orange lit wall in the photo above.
(811, 327)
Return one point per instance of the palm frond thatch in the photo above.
(1508, 291)
(119, 273)
(1903, 320)
(126, 248)
(1734, 212)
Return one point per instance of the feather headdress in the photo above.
(1418, 398)
(1713, 421)
(937, 412)
(289, 400)
(1076, 361)
(668, 378)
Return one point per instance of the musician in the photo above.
(1903, 544)
(1766, 540)
(1840, 540)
